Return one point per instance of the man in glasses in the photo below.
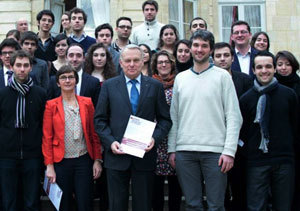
(104, 34)
(78, 21)
(123, 29)
(7, 47)
(243, 53)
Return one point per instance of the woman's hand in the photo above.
(50, 173)
(97, 169)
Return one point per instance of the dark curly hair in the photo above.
(109, 68)
(154, 61)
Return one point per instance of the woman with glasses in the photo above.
(163, 69)
(71, 147)
(98, 63)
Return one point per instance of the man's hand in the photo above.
(227, 163)
(151, 145)
(97, 169)
(116, 148)
(172, 160)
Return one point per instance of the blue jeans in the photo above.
(278, 178)
(190, 166)
(29, 170)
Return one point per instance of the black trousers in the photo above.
(118, 189)
(235, 199)
(174, 193)
(75, 175)
(279, 178)
(25, 172)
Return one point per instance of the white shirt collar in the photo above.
(137, 78)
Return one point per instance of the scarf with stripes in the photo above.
(22, 89)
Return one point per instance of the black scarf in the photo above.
(263, 111)
(289, 81)
(184, 66)
(22, 89)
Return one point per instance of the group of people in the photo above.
(226, 116)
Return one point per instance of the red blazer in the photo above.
(53, 145)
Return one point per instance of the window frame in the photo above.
(241, 11)
(180, 13)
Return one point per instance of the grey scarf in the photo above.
(263, 112)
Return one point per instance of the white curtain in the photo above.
(57, 10)
(253, 17)
(97, 11)
(100, 11)
(227, 17)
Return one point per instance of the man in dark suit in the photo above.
(223, 58)
(39, 72)
(243, 53)
(7, 47)
(87, 86)
(117, 101)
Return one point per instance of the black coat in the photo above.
(282, 127)
(18, 143)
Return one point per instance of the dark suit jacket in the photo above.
(54, 130)
(242, 82)
(235, 66)
(90, 87)
(39, 73)
(112, 114)
(2, 81)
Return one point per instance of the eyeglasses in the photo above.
(6, 53)
(65, 78)
(104, 35)
(242, 32)
(123, 27)
(161, 62)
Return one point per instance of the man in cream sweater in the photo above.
(148, 31)
(206, 124)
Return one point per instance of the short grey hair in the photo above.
(131, 46)
(21, 19)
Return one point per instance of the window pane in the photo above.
(187, 33)
(226, 35)
(252, 15)
(175, 23)
(87, 7)
(188, 11)
(173, 10)
(229, 15)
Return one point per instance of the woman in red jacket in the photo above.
(71, 148)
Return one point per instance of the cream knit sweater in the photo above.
(205, 113)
